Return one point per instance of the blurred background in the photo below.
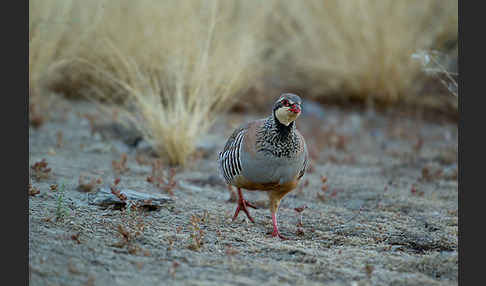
(171, 68)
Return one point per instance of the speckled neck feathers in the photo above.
(277, 139)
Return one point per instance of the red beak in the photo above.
(294, 108)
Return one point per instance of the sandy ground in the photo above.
(385, 215)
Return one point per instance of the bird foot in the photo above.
(242, 205)
(277, 233)
(275, 228)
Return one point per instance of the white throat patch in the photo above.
(285, 116)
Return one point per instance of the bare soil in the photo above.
(381, 197)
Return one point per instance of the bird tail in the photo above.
(220, 167)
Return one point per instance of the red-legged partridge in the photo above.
(268, 154)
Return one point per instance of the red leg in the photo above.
(242, 205)
(275, 227)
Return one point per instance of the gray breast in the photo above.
(266, 168)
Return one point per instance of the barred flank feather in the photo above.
(229, 159)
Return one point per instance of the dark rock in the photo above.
(104, 197)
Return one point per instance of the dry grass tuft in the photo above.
(56, 30)
(171, 67)
(359, 49)
(202, 65)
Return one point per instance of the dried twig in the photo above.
(120, 166)
(33, 190)
(161, 179)
(88, 186)
(116, 192)
(40, 170)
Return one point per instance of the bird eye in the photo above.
(285, 102)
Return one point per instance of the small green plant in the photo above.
(61, 209)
